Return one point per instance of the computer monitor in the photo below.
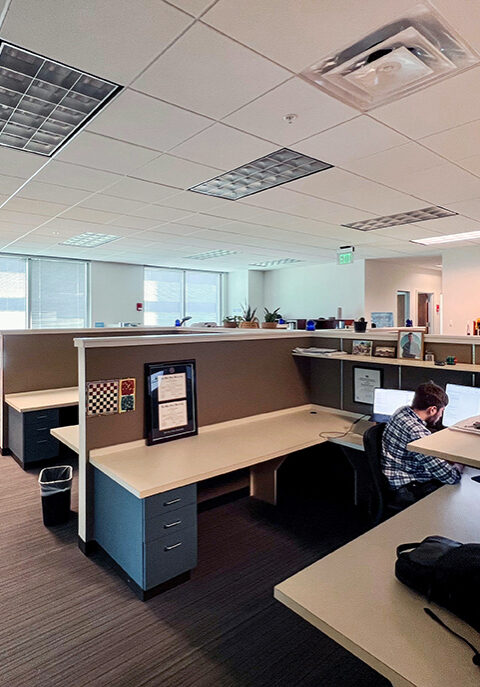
(464, 401)
(387, 401)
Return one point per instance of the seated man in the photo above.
(413, 475)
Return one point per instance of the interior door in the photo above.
(423, 310)
(401, 317)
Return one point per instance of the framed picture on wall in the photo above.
(170, 400)
(385, 351)
(365, 381)
(410, 344)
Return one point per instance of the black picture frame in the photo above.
(186, 401)
(375, 371)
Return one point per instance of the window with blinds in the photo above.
(173, 294)
(58, 294)
(13, 293)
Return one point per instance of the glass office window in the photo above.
(13, 293)
(58, 294)
(202, 296)
(163, 299)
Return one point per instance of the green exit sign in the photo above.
(345, 258)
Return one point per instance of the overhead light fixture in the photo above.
(211, 254)
(433, 212)
(397, 59)
(43, 102)
(89, 240)
(277, 168)
(448, 238)
(274, 263)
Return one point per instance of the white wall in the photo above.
(256, 296)
(115, 290)
(236, 284)
(383, 278)
(461, 289)
(317, 290)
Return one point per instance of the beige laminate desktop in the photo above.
(67, 435)
(27, 401)
(449, 444)
(260, 442)
(353, 596)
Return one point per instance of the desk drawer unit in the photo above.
(152, 539)
(29, 435)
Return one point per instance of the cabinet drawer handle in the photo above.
(173, 546)
(42, 429)
(169, 503)
(42, 441)
(40, 417)
(172, 524)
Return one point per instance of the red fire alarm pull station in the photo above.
(139, 307)
(438, 308)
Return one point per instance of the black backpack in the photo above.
(446, 572)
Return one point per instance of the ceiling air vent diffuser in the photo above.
(397, 59)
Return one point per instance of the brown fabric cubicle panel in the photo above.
(325, 382)
(389, 381)
(234, 379)
(463, 352)
(413, 376)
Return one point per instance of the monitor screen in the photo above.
(464, 401)
(387, 401)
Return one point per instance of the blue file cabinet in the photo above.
(152, 539)
(29, 437)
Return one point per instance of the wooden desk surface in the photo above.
(41, 400)
(459, 447)
(353, 596)
(67, 435)
(146, 470)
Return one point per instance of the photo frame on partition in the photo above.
(365, 381)
(410, 344)
(170, 401)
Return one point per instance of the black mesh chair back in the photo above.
(374, 483)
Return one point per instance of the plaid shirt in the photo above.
(401, 466)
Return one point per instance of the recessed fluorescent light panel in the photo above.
(448, 238)
(211, 254)
(89, 240)
(42, 102)
(272, 170)
(401, 57)
(433, 212)
(275, 263)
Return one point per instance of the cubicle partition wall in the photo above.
(47, 359)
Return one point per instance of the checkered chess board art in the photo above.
(102, 397)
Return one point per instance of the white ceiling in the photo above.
(207, 84)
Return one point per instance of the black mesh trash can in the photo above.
(55, 487)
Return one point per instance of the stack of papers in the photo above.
(327, 352)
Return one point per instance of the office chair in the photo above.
(371, 481)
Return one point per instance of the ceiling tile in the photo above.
(75, 176)
(106, 154)
(471, 164)
(441, 185)
(51, 193)
(297, 34)
(315, 112)
(9, 185)
(18, 163)
(134, 117)
(161, 213)
(351, 140)
(176, 172)
(394, 164)
(450, 103)
(25, 219)
(141, 191)
(193, 7)
(124, 206)
(348, 189)
(448, 225)
(469, 208)
(204, 221)
(89, 215)
(102, 32)
(133, 222)
(223, 147)
(457, 143)
(195, 202)
(184, 74)
(35, 207)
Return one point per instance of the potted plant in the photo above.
(231, 321)
(270, 318)
(360, 325)
(248, 321)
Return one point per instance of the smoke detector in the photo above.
(397, 59)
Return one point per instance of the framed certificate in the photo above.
(365, 380)
(170, 400)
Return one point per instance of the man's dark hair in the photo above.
(429, 394)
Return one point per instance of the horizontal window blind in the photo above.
(13, 293)
(58, 294)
